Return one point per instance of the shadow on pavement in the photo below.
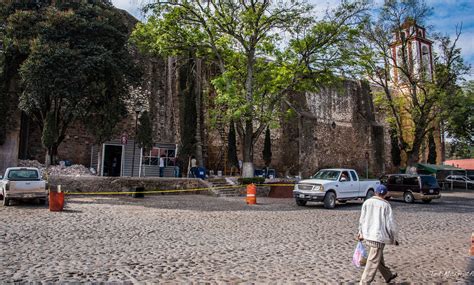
(447, 204)
(453, 203)
(470, 271)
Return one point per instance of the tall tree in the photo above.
(431, 149)
(409, 93)
(395, 149)
(145, 131)
(267, 148)
(232, 147)
(75, 63)
(255, 67)
(188, 115)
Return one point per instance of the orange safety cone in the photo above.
(251, 194)
(56, 199)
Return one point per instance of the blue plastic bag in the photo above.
(359, 258)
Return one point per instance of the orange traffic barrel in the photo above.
(251, 194)
(56, 199)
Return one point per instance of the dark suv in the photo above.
(412, 187)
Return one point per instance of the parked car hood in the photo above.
(316, 181)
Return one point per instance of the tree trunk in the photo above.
(247, 167)
(47, 158)
(247, 143)
(99, 161)
(198, 91)
(413, 155)
(54, 154)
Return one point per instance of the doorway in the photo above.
(112, 160)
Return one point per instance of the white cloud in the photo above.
(131, 6)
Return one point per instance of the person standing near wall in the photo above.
(193, 166)
(162, 165)
(377, 227)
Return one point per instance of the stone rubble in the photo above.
(57, 170)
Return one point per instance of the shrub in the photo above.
(250, 180)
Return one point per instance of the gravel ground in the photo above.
(174, 239)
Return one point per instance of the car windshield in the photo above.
(327, 174)
(23, 174)
(429, 181)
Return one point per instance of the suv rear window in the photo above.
(410, 181)
(23, 174)
(429, 181)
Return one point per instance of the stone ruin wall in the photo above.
(159, 83)
(334, 128)
(303, 143)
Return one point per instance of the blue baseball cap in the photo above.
(381, 189)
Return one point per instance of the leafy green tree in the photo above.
(232, 147)
(267, 149)
(145, 131)
(188, 114)
(413, 95)
(74, 63)
(49, 134)
(431, 149)
(395, 150)
(255, 69)
(459, 149)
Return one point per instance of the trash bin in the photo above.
(200, 172)
(138, 192)
(56, 199)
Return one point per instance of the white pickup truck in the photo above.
(22, 183)
(331, 185)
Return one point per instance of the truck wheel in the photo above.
(408, 197)
(330, 200)
(369, 195)
(300, 202)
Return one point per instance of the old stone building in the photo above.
(336, 127)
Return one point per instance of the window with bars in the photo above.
(152, 156)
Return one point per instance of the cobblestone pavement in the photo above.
(195, 238)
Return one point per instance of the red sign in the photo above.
(124, 139)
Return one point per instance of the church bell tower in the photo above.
(411, 51)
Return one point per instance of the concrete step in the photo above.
(219, 185)
(228, 193)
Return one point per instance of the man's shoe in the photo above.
(394, 275)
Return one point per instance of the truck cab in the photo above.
(22, 183)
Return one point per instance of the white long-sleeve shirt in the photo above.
(376, 221)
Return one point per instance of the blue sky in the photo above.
(446, 15)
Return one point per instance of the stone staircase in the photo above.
(218, 187)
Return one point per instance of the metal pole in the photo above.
(134, 140)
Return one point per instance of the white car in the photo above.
(331, 185)
(23, 183)
(459, 181)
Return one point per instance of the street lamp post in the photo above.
(138, 109)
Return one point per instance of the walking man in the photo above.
(377, 227)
